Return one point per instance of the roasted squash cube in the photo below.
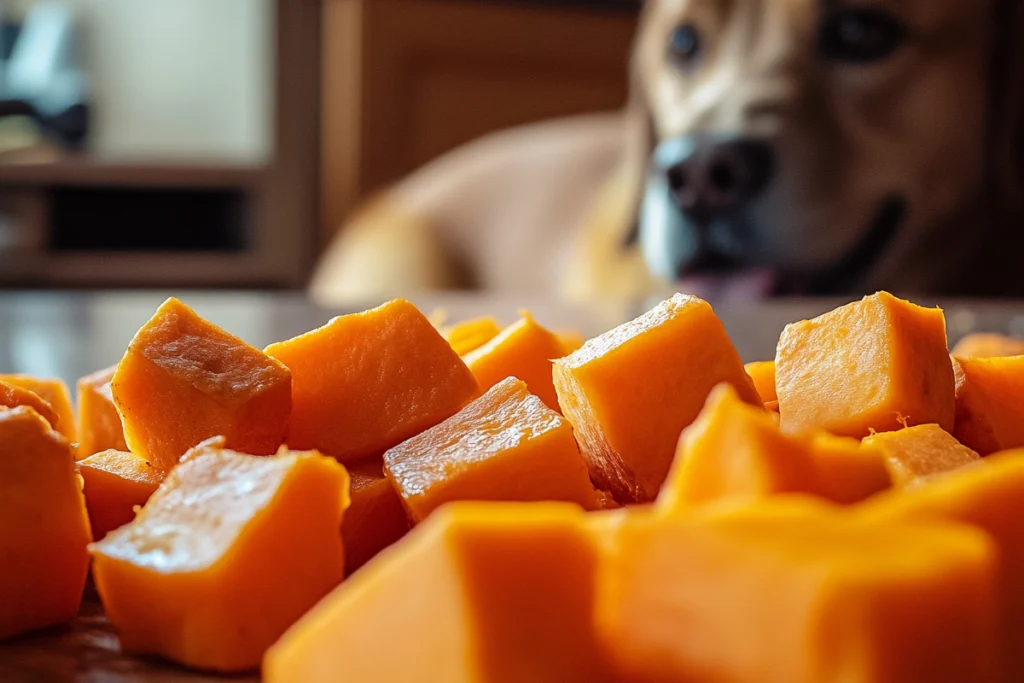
(877, 364)
(919, 452)
(226, 555)
(767, 596)
(12, 396)
(375, 519)
(470, 335)
(482, 592)
(365, 382)
(115, 483)
(99, 423)
(984, 345)
(183, 379)
(630, 392)
(523, 350)
(989, 409)
(504, 446)
(44, 530)
(54, 392)
(762, 374)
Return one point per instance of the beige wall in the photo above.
(180, 78)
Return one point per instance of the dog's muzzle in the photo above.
(708, 180)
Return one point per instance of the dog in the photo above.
(807, 146)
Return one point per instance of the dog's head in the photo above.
(810, 136)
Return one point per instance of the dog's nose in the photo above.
(710, 177)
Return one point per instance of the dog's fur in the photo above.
(554, 207)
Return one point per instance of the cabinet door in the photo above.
(434, 74)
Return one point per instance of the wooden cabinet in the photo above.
(407, 80)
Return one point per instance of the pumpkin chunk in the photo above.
(115, 483)
(734, 450)
(470, 335)
(506, 445)
(523, 350)
(762, 374)
(989, 409)
(99, 424)
(984, 345)
(760, 595)
(226, 555)
(54, 392)
(571, 340)
(987, 495)
(183, 379)
(44, 530)
(365, 382)
(877, 364)
(376, 518)
(482, 592)
(12, 396)
(630, 392)
(918, 452)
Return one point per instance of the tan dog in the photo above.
(840, 146)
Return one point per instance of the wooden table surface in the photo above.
(69, 335)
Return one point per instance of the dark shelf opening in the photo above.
(152, 220)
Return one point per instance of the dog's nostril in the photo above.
(678, 178)
(722, 176)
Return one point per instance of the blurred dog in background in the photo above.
(791, 146)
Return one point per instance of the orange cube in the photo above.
(183, 379)
(115, 483)
(99, 424)
(54, 392)
(44, 530)
(12, 396)
(480, 592)
(630, 392)
(734, 450)
(375, 519)
(225, 556)
(919, 452)
(983, 345)
(988, 496)
(363, 383)
(506, 446)
(759, 595)
(989, 411)
(470, 335)
(878, 364)
(523, 350)
(762, 374)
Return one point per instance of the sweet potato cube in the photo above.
(918, 452)
(183, 379)
(505, 446)
(99, 424)
(54, 392)
(12, 396)
(845, 470)
(523, 350)
(877, 364)
(115, 483)
(987, 495)
(44, 530)
(470, 335)
(375, 519)
(989, 409)
(571, 340)
(630, 392)
(762, 374)
(365, 382)
(734, 450)
(985, 345)
(226, 555)
(480, 593)
(761, 596)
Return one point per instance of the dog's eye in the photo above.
(684, 44)
(860, 35)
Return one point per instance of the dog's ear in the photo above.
(1005, 144)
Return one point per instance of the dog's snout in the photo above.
(713, 177)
